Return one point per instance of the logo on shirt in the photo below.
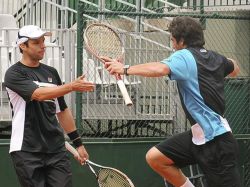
(49, 79)
(203, 50)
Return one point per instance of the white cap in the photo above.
(30, 32)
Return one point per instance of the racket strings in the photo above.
(112, 178)
(104, 42)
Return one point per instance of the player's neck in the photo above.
(29, 62)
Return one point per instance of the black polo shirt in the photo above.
(35, 127)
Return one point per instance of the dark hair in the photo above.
(189, 30)
(26, 43)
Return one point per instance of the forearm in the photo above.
(44, 93)
(152, 69)
(66, 121)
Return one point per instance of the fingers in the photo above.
(81, 77)
(112, 65)
(114, 68)
(83, 155)
(80, 84)
(111, 70)
(80, 160)
(109, 64)
(106, 59)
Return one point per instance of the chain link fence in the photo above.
(237, 92)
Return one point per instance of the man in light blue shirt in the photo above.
(199, 74)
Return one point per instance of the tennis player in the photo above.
(40, 115)
(199, 74)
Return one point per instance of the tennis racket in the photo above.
(106, 176)
(102, 40)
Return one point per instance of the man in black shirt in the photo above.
(41, 116)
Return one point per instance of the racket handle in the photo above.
(124, 92)
(71, 149)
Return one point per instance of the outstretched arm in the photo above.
(44, 93)
(151, 69)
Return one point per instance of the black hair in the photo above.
(189, 30)
(25, 43)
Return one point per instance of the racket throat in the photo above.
(93, 171)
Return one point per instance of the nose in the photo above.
(43, 45)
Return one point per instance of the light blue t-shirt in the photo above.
(200, 78)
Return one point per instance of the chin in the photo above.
(40, 57)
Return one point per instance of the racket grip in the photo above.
(124, 92)
(71, 149)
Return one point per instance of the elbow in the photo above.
(41, 98)
(163, 71)
(155, 69)
(38, 96)
(235, 72)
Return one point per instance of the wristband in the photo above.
(77, 142)
(125, 69)
(75, 138)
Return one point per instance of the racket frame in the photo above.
(118, 77)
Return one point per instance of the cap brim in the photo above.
(47, 34)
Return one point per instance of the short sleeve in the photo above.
(181, 64)
(17, 81)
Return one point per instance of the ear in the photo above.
(23, 46)
(182, 43)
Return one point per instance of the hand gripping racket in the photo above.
(106, 176)
(102, 40)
